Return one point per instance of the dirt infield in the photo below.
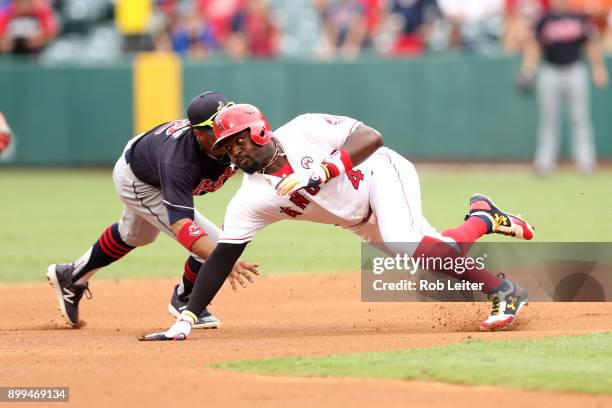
(104, 365)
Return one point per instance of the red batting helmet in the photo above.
(235, 119)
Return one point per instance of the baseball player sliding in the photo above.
(335, 170)
(156, 177)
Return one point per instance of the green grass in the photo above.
(576, 363)
(53, 215)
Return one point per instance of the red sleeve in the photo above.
(48, 23)
(4, 19)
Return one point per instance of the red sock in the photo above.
(190, 273)
(468, 232)
(433, 247)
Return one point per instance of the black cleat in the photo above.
(500, 221)
(68, 294)
(506, 302)
(206, 320)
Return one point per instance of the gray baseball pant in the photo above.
(558, 85)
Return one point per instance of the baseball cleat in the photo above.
(68, 294)
(500, 222)
(506, 302)
(206, 320)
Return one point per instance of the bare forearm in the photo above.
(598, 65)
(531, 57)
(212, 274)
(362, 143)
(594, 54)
(202, 247)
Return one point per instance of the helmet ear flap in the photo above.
(241, 117)
(260, 133)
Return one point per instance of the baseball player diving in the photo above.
(335, 170)
(156, 177)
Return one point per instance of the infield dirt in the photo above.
(104, 365)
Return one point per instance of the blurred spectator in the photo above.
(344, 25)
(607, 36)
(299, 24)
(168, 7)
(133, 19)
(193, 37)
(26, 26)
(254, 33)
(597, 10)
(600, 12)
(475, 25)
(219, 14)
(186, 33)
(561, 37)
(519, 22)
(373, 10)
(5, 134)
(409, 21)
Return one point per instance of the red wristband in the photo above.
(189, 233)
(338, 162)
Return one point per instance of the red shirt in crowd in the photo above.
(29, 24)
(219, 14)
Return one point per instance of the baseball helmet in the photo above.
(235, 119)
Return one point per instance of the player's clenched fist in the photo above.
(335, 164)
(242, 269)
(296, 181)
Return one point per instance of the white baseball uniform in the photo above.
(379, 200)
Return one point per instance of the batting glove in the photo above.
(178, 331)
(335, 164)
(297, 181)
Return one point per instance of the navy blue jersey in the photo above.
(562, 36)
(170, 157)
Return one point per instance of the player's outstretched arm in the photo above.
(598, 64)
(358, 146)
(242, 270)
(529, 65)
(210, 278)
(193, 237)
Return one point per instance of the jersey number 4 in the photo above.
(355, 177)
